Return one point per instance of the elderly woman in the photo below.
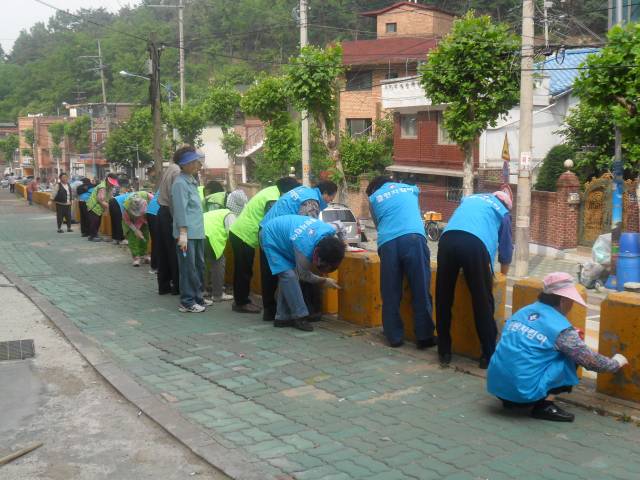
(539, 350)
(135, 226)
(98, 204)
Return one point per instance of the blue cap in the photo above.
(188, 157)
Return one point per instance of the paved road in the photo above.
(323, 405)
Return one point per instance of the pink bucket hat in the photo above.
(504, 197)
(560, 283)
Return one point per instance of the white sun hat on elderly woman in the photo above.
(562, 284)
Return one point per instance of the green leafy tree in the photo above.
(56, 130)
(220, 107)
(267, 99)
(475, 72)
(610, 86)
(368, 154)
(189, 121)
(130, 145)
(8, 146)
(78, 133)
(553, 167)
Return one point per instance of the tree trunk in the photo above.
(332, 147)
(231, 169)
(467, 179)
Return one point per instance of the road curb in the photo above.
(199, 441)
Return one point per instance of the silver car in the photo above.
(339, 212)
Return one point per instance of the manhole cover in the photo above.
(17, 350)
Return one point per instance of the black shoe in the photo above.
(547, 410)
(428, 343)
(69, 230)
(483, 363)
(396, 344)
(60, 230)
(268, 316)
(85, 235)
(303, 324)
(282, 323)
(444, 358)
(315, 317)
(164, 292)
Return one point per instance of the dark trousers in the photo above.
(30, 197)
(84, 219)
(269, 285)
(461, 250)
(12, 188)
(116, 220)
(168, 273)
(242, 269)
(408, 256)
(63, 213)
(553, 391)
(94, 224)
(313, 295)
(151, 221)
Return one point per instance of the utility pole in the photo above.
(101, 68)
(526, 127)
(545, 9)
(618, 180)
(154, 98)
(306, 140)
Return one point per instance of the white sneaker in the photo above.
(224, 298)
(136, 262)
(124, 242)
(195, 308)
(206, 302)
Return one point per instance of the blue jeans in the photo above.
(291, 304)
(30, 197)
(191, 266)
(408, 256)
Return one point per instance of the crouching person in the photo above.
(135, 226)
(299, 248)
(539, 352)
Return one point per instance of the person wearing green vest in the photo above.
(98, 203)
(135, 226)
(243, 236)
(215, 196)
(216, 230)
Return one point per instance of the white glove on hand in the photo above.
(182, 241)
(621, 359)
(331, 283)
(139, 234)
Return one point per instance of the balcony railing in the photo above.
(404, 92)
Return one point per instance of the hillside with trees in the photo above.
(224, 42)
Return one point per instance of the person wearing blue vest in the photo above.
(403, 251)
(152, 214)
(83, 192)
(539, 351)
(298, 248)
(116, 208)
(479, 226)
(299, 201)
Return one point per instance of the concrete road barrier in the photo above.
(359, 298)
(620, 333)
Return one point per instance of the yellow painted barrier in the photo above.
(228, 273)
(330, 297)
(620, 333)
(359, 299)
(105, 224)
(256, 279)
(21, 190)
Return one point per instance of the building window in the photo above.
(454, 189)
(359, 80)
(443, 135)
(391, 75)
(358, 127)
(408, 126)
(391, 27)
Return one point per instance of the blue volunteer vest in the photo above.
(526, 365)
(480, 215)
(280, 236)
(290, 202)
(153, 206)
(397, 211)
(122, 198)
(85, 196)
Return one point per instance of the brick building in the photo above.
(405, 32)
(37, 159)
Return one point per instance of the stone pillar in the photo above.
(568, 210)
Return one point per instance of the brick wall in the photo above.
(414, 21)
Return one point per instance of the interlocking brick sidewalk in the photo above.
(321, 405)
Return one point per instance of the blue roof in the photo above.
(561, 73)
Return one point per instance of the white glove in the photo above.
(331, 283)
(139, 234)
(621, 359)
(182, 241)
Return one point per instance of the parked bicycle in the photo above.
(432, 225)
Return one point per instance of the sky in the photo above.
(20, 15)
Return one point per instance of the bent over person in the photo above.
(479, 226)
(403, 251)
(299, 248)
(539, 350)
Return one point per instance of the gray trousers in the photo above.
(291, 304)
(213, 272)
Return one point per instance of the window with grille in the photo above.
(454, 189)
(359, 80)
(391, 27)
(408, 126)
(358, 127)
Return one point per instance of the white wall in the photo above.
(215, 156)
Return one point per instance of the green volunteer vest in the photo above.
(214, 230)
(248, 223)
(214, 201)
(201, 192)
(92, 204)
